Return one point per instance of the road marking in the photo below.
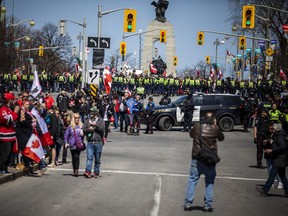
(157, 197)
(162, 174)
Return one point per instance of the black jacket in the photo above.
(279, 152)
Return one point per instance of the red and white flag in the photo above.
(220, 74)
(165, 74)
(33, 149)
(45, 137)
(283, 75)
(229, 54)
(212, 73)
(153, 69)
(285, 28)
(78, 68)
(113, 70)
(107, 80)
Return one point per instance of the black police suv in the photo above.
(227, 108)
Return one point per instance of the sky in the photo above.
(187, 17)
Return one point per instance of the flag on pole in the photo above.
(197, 72)
(36, 87)
(78, 68)
(212, 72)
(107, 80)
(33, 149)
(153, 69)
(165, 74)
(45, 137)
(220, 74)
(283, 75)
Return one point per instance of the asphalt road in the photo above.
(146, 175)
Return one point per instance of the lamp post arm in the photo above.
(111, 11)
(16, 24)
(235, 35)
(139, 33)
(78, 23)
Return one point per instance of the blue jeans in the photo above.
(94, 150)
(197, 168)
(273, 173)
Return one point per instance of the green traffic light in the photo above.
(200, 42)
(248, 23)
(129, 27)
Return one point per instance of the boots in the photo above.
(75, 173)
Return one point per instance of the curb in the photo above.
(14, 174)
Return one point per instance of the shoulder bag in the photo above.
(80, 146)
(207, 155)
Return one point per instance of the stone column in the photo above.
(152, 37)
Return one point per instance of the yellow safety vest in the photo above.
(197, 82)
(242, 85)
(14, 77)
(250, 84)
(24, 77)
(192, 82)
(274, 115)
(61, 78)
(219, 83)
(233, 83)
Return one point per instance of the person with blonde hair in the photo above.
(74, 134)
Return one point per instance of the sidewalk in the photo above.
(14, 174)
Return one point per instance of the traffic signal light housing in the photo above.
(242, 43)
(129, 20)
(207, 59)
(248, 16)
(200, 38)
(163, 36)
(175, 60)
(41, 51)
(123, 48)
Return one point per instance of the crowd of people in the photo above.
(70, 120)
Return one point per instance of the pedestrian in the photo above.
(7, 130)
(149, 116)
(248, 110)
(73, 135)
(260, 132)
(106, 112)
(278, 152)
(93, 129)
(188, 110)
(204, 133)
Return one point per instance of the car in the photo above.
(227, 108)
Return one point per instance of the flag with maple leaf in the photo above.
(33, 149)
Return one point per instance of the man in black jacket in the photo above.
(278, 154)
(188, 110)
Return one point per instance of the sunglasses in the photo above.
(76, 117)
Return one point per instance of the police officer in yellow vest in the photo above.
(161, 85)
(61, 81)
(71, 83)
(24, 80)
(14, 79)
(44, 81)
(274, 114)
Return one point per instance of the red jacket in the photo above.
(7, 124)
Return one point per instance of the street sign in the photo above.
(93, 77)
(104, 42)
(98, 57)
(269, 58)
(269, 51)
(93, 89)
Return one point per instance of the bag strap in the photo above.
(75, 136)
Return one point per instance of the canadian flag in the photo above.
(78, 68)
(107, 79)
(165, 74)
(220, 74)
(283, 75)
(45, 137)
(212, 73)
(33, 149)
(153, 69)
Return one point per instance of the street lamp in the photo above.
(217, 43)
(79, 37)
(31, 22)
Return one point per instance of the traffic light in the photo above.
(248, 16)
(163, 36)
(242, 43)
(123, 48)
(200, 39)
(129, 21)
(207, 59)
(41, 51)
(175, 60)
